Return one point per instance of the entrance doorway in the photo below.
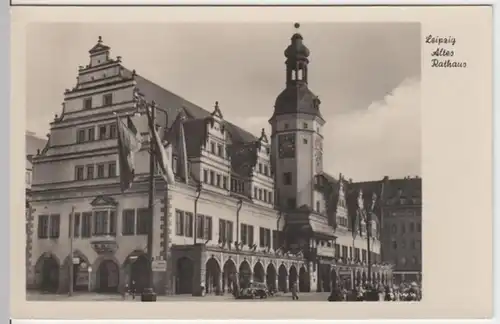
(139, 274)
(49, 274)
(184, 277)
(258, 272)
(271, 277)
(282, 278)
(303, 280)
(108, 274)
(245, 274)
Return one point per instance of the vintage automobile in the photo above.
(255, 290)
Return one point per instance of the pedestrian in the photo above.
(295, 296)
(132, 289)
(125, 291)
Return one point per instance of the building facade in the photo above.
(243, 207)
(402, 223)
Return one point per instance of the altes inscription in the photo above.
(441, 56)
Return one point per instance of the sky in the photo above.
(367, 76)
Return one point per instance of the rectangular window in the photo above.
(112, 170)
(264, 195)
(250, 235)
(218, 180)
(305, 126)
(112, 223)
(337, 251)
(224, 182)
(220, 150)
(86, 224)
(212, 178)
(188, 221)
(266, 170)
(79, 173)
(262, 238)
(207, 228)
(55, 223)
(229, 231)
(91, 133)
(243, 234)
(260, 167)
(287, 178)
(255, 193)
(107, 99)
(90, 172)
(76, 225)
(102, 132)
(80, 136)
(179, 222)
(205, 176)
(268, 237)
(112, 131)
(270, 198)
(142, 221)
(260, 194)
(222, 230)
(100, 171)
(128, 220)
(212, 147)
(43, 226)
(100, 223)
(344, 252)
(356, 254)
(87, 103)
(199, 226)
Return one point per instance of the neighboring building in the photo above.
(402, 222)
(401, 231)
(34, 145)
(265, 210)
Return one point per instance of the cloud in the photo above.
(368, 144)
(384, 139)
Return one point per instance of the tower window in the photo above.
(107, 99)
(304, 140)
(305, 126)
(287, 178)
(285, 126)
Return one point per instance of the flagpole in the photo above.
(70, 261)
(149, 293)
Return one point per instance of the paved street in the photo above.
(37, 296)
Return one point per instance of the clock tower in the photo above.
(297, 140)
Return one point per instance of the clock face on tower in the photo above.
(286, 144)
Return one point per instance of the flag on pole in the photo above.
(159, 152)
(176, 135)
(129, 143)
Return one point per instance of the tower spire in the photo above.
(296, 63)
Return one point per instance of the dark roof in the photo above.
(297, 50)
(297, 98)
(195, 126)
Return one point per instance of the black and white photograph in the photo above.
(235, 162)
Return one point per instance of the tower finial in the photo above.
(296, 25)
(99, 39)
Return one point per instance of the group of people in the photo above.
(369, 292)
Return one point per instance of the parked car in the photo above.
(260, 289)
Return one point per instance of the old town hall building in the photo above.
(252, 207)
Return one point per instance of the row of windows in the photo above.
(96, 223)
(215, 179)
(414, 244)
(264, 169)
(184, 225)
(107, 100)
(99, 171)
(412, 228)
(87, 134)
(263, 195)
(342, 251)
(403, 261)
(237, 186)
(217, 149)
(342, 221)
